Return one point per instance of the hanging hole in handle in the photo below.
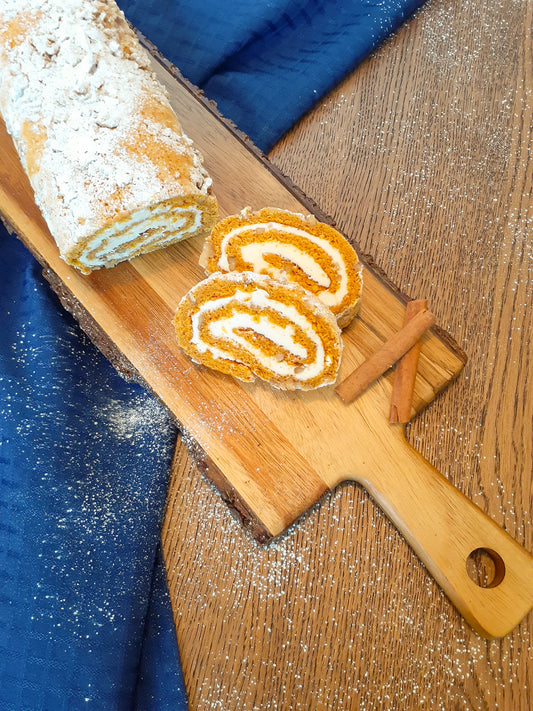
(485, 567)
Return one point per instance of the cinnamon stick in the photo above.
(384, 358)
(403, 385)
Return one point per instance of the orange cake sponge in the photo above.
(288, 245)
(251, 326)
(111, 169)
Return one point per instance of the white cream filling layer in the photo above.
(254, 255)
(163, 223)
(282, 336)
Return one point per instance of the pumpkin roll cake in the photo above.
(251, 326)
(292, 246)
(111, 169)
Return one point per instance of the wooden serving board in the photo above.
(274, 454)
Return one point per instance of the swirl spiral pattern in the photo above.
(291, 246)
(251, 326)
(110, 166)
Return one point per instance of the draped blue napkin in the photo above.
(85, 616)
(266, 63)
(84, 460)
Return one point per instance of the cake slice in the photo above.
(291, 246)
(251, 326)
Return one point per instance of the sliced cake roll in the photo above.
(111, 169)
(250, 326)
(292, 246)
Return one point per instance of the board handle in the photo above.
(445, 529)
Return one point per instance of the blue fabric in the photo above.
(266, 63)
(84, 461)
(85, 616)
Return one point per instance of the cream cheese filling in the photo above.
(164, 223)
(282, 336)
(254, 254)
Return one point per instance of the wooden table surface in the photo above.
(423, 155)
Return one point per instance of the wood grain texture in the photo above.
(339, 613)
(423, 155)
(272, 449)
(277, 453)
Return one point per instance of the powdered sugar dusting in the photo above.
(83, 107)
(338, 614)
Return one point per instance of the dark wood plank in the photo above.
(421, 155)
